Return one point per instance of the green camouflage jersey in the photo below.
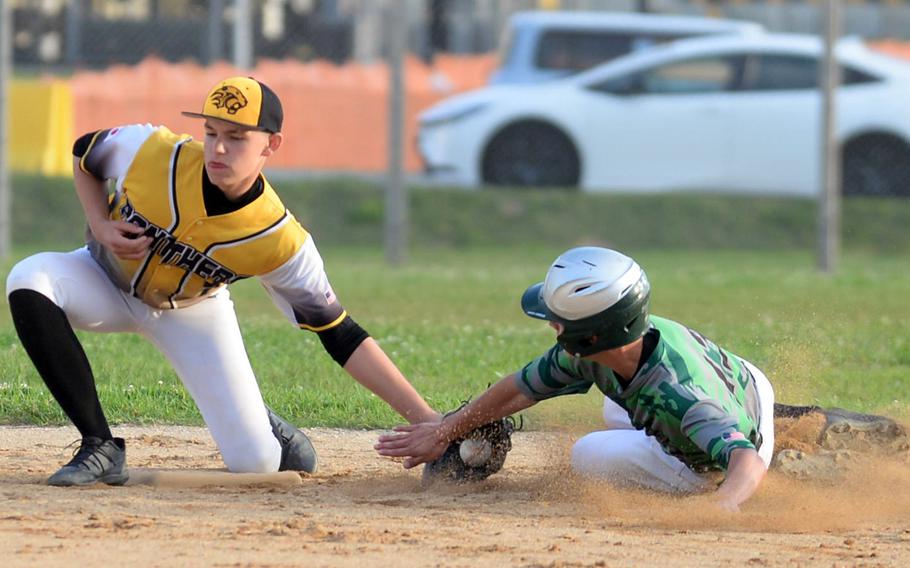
(698, 400)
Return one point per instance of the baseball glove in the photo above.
(488, 445)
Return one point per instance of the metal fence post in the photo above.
(215, 40)
(75, 12)
(5, 76)
(830, 191)
(396, 205)
(243, 34)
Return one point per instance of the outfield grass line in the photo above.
(451, 321)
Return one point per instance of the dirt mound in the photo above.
(821, 443)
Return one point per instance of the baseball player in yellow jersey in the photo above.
(185, 220)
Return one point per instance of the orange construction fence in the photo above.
(893, 47)
(335, 117)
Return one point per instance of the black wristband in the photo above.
(342, 340)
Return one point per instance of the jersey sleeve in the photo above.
(109, 153)
(714, 430)
(552, 374)
(301, 290)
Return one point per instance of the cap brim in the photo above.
(200, 115)
(532, 302)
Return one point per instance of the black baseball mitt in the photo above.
(485, 449)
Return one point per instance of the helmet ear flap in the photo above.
(632, 324)
(587, 342)
(614, 327)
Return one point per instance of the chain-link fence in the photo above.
(67, 34)
(743, 116)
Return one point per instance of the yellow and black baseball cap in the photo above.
(244, 101)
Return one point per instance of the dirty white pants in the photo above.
(626, 456)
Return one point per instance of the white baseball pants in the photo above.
(624, 455)
(202, 342)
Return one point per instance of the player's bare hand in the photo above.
(123, 239)
(417, 443)
(712, 502)
(726, 505)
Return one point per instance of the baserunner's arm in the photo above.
(421, 443)
(744, 474)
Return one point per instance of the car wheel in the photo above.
(876, 165)
(531, 153)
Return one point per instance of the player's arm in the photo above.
(300, 288)
(745, 473)
(421, 443)
(716, 432)
(117, 236)
(98, 157)
(372, 368)
(548, 376)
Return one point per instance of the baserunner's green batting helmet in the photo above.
(598, 295)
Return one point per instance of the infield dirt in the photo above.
(360, 509)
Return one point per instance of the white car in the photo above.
(723, 113)
(542, 45)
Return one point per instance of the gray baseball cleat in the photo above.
(95, 460)
(297, 452)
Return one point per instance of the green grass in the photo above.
(344, 212)
(738, 268)
(451, 321)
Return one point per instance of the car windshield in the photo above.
(577, 50)
(506, 46)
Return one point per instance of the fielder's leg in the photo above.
(204, 344)
(47, 292)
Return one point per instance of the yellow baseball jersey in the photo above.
(158, 185)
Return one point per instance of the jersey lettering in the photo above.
(176, 253)
(724, 372)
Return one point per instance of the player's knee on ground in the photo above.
(30, 274)
(253, 459)
(631, 457)
(602, 455)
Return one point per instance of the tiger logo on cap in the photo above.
(229, 98)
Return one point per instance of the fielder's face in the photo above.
(234, 155)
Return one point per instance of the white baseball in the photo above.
(475, 453)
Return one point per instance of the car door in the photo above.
(774, 125)
(659, 128)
